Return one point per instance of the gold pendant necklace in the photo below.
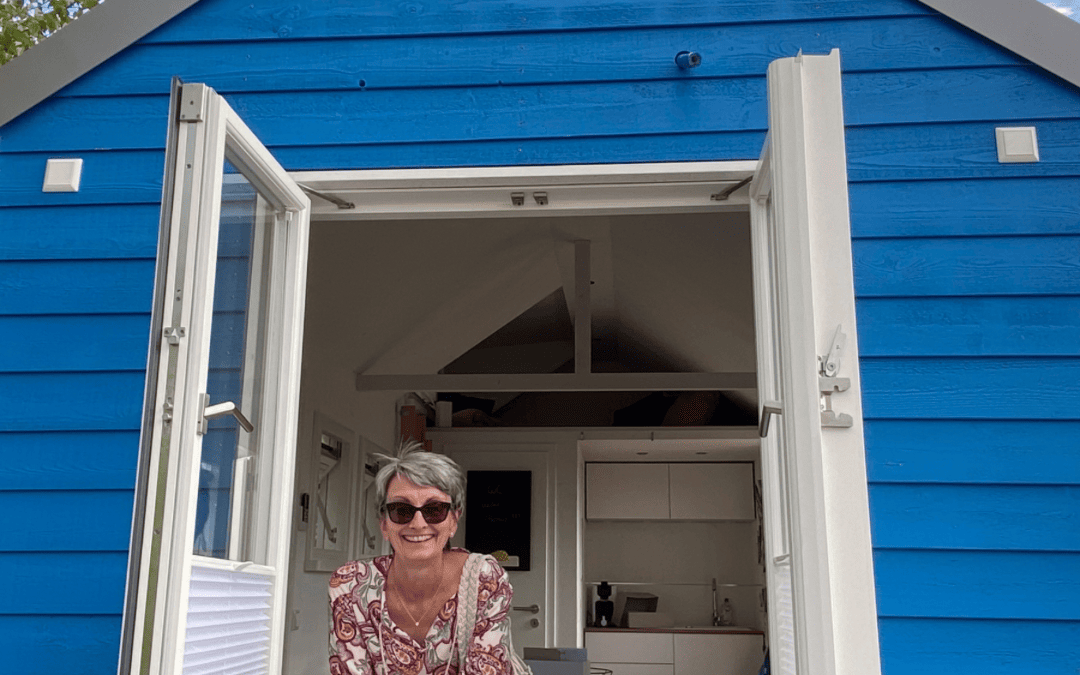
(412, 618)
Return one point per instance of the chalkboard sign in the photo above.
(498, 515)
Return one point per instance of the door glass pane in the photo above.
(231, 480)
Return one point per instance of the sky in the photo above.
(1070, 8)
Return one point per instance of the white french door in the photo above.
(822, 615)
(214, 561)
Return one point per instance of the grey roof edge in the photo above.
(78, 48)
(1026, 27)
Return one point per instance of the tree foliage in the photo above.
(24, 23)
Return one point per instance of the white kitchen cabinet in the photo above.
(712, 491)
(718, 654)
(655, 648)
(658, 491)
(626, 491)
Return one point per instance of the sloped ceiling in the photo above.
(670, 293)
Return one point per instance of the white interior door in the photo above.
(534, 597)
(216, 536)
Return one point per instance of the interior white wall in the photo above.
(330, 389)
(565, 576)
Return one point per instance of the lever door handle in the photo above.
(221, 410)
(532, 609)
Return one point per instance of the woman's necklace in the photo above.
(412, 618)
(404, 606)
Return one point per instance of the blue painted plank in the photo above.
(88, 645)
(959, 150)
(979, 517)
(1043, 205)
(97, 583)
(983, 451)
(103, 231)
(242, 20)
(393, 116)
(956, 95)
(135, 176)
(110, 401)
(987, 647)
(75, 460)
(978, 584)
(128, 178)
(966, 266)
(60, 521)
(76, 286)
(602, 108)
(969, 326)
(73, 342)
(976, 388)
(621, 54)
(890, 153)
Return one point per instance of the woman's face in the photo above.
(417, 539)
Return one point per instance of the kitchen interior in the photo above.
(668, 498)
(673, 558)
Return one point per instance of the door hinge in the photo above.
(173, 334)
(828, 384)
(192, 102)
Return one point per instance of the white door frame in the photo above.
(803, 175)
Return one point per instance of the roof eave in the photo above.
(1026, 27)
(78, 48)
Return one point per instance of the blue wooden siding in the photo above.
(966, 269)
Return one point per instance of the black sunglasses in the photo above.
(433, 512)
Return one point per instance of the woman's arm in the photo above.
(491, 649)
(348, 656)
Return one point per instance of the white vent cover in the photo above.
(62, 175)
(1017, 144)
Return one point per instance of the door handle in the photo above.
(532, 609)
(210, 412)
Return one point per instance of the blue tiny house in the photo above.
(966, 271)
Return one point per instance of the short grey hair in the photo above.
(427, 469)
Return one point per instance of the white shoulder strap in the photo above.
(468, 592)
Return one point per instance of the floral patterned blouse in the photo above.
(364, 640)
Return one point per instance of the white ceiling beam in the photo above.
(560, 382)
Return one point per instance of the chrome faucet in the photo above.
(715, 607)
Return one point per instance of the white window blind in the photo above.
(782, 655)
(228, 621)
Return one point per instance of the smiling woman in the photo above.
(427, 608)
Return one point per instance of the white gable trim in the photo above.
(1026, 27)
(78, 48)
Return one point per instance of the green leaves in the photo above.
(23, 23)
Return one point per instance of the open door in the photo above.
(822, 614)
(220, 464)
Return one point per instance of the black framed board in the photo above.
(498, 513)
